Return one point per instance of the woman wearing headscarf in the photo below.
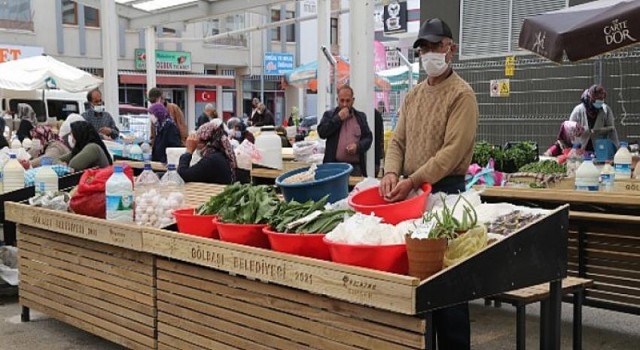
(54, 146)
(87, 148)
(167, 133)
(218, 162)
(595, 117)
(238, 130)
(28, 121)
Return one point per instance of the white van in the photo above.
(46, 103)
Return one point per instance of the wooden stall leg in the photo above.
(577, 319)
(554, 315)
(521, 331)
(431, 332)
(544, 323)
(25, 316)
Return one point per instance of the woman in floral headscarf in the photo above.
(218, 161)
(595, 117)
(167, 133)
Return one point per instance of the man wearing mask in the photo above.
(99, 118)
(433, 143)
(347, 133)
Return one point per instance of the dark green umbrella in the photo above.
(582, 31)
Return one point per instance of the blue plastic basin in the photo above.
(331, 179)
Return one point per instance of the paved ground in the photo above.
(492, 329)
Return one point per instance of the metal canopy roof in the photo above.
(147, 13)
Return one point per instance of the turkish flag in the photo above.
(205, 96)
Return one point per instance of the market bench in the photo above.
(604, 240)
(520, 298)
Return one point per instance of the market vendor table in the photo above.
(153, 288)
(604, 240)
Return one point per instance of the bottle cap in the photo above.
(147, 166)
(13, 156)
(117, 168)
(171, 167)
(46, 161)
(587, 157)
(623, 144)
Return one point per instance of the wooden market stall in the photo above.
(148, 288)
(604, 238)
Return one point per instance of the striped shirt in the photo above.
(101, 121)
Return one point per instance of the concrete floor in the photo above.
(492, 329)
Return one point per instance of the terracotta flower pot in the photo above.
(425, 256)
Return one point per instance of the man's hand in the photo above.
(400, 192)
(344, 114)
(105, 131)
(191, 143)
(352, 149)
(388, 183)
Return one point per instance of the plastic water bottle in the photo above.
(135, 152)
(147, 196)
(13, 174)
(119, 196)
(146, 151)
(587, 176)
(46, 178)
(270, 147)
(607, 176)
(172, 190)
(573, 160)
(622, 162)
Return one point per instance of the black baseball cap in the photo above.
(433, 30)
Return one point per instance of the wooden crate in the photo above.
(353, 284)
(631, 187)
(102, 289)
(200, 308)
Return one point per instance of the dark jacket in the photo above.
(264, 118)
(212, 168)
(169, 136)
(329, 129)
(379, 130)
(202, 119)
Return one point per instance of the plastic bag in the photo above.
(303, 151)
(51, 200)
(89, 198)
(21, 155)
(9, 265)
(477, 175)
(246, 154)
(465, 245)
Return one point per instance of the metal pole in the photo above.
(332, 61)
(150, 52)
(109, 34)
(409, 66)
(324, 9)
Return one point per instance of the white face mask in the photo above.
(98, 108)
(71, 140)
(434, 63)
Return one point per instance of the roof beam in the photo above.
(198, 11)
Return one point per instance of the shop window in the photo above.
(70, 14)
(16, 14)
(334, 31)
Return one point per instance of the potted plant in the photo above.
(426, 245)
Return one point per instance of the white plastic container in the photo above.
(607, 176)
(135, 152)
(587, 176)
(270, 147)
(147, 192)
(171, 196)
(13, 175)
(174, 153)
(622, 162)
(119, 197)
(46, 178)
(146, 151)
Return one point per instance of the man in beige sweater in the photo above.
(433, 142)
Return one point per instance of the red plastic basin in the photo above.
(199, 225)
(369, 201)
(245, 234)
(389, 258)
(304, 244)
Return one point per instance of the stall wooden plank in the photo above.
(343, 310)
(166, 340)
(206, 343)
(269, 313)
(358, 285)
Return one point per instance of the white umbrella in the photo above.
(40, 71)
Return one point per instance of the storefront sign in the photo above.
(500, 88)
(165, 60)
(395, 17)
(276, 63)
(10, 52)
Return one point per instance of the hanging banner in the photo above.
(165, 60)
(276, 63)
(395, 17)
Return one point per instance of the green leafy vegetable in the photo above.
(289, 212)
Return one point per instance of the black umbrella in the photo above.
(582, 31)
